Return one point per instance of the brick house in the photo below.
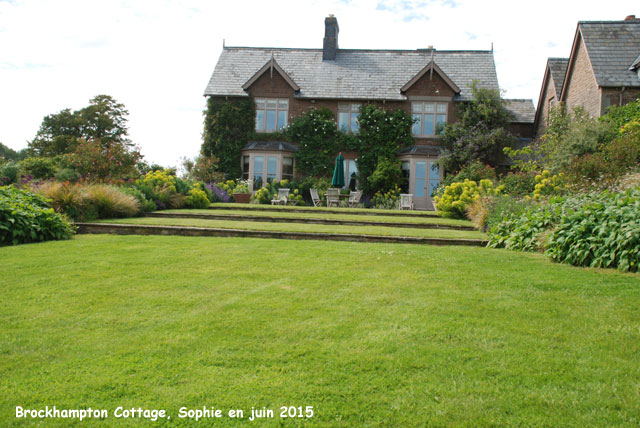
(602, 70)
(285, 82)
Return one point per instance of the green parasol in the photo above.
(338, 172)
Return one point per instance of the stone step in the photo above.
(239, 217)
(136, 229)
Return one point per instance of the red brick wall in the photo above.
(581, 87)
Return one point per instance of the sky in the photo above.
(156, 56)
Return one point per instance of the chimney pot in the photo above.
(630, 18)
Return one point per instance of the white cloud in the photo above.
(156, 56)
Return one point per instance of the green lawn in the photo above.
(302, 227)
(349, 217)
(260, 207)
(368, 334)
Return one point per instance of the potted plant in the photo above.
(242, 192)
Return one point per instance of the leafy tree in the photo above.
(104, 119)
(228, 125)
(95, 161)
(381, 136)
(318, 140)
(7, 153)
(481, 132)
(571, 135)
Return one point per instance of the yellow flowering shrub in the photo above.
(549, 185)
(457, 196)
(162, 179)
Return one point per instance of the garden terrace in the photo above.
(368, 334)
(332, 219)
(322, 210)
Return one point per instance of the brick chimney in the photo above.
(630, 18)
(330, 42)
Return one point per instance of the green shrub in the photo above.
(504, 207)
(197, 198)
(549, 185)
(525, 231)
(67, 174)
(38, 168)
(26, 217)
(387, 200)
(457, 196)
(146, 205)
(266, 194)
(603, 232)
(9, 172)
(518, 183)
(386, 176)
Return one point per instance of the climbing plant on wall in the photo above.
(228, 126)
(383, 133)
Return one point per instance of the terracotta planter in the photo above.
(242, 198)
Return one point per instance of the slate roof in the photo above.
(271, 146)
(354, 74)
(558, 70)
(522, 109)
(612, 47)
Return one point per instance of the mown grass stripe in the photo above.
(309, 220)
(140, 229)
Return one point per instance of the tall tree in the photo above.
(104, 120)
(481, 133)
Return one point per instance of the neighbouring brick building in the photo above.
(602, 70)
(427, 83)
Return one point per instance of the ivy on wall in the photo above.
(228, 126)
(383, 133)
(318, 140)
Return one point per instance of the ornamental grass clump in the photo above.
(27, 217)
(458, 196)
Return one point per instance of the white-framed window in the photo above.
(430, 118)
(348, 117)
(271, 114)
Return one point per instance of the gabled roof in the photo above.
(270, 66)
(431, 67)
(612, 47)
(522, 110)
(558, 71)
(354, 74)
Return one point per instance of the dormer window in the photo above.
(430, 118)
(348, 118)
(271, 114)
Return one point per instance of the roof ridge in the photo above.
(425, 51)
(636, 21)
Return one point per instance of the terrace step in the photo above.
(131, 229)
(238, 217)
(320, 210)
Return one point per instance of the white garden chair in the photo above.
(281, 198)
(315, 198)
(406, 201)
(333, 197)
(354, 198)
